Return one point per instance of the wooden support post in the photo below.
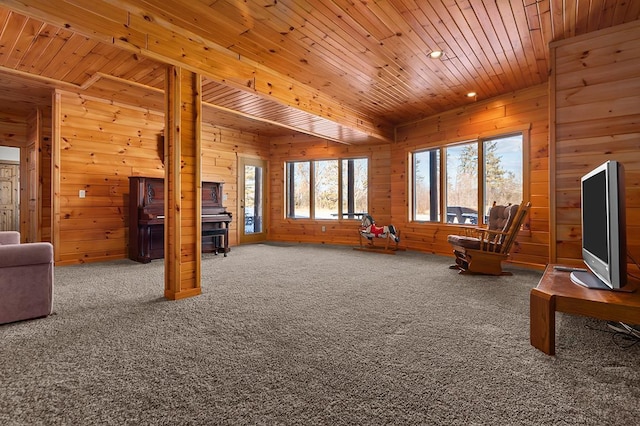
(183, 187)
(56, 178)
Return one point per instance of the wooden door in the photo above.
(9, 196)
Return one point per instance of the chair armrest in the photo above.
(494, 232)
(25, 254)
(486, 234)
(9, 237)
(470, 232)
(490, 240)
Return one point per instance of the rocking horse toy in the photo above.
(369, 230)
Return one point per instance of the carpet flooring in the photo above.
(304, 335)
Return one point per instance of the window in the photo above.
(355, 187)
(462, 183)
(503, 171)
(474, 175)
(426, 193)
(299, 190)
(325, 189)
(331, 189)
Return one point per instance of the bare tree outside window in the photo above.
(299, 190)
(462, 183)
(426, 187)
(500, 177)
(503, 175)
(355, 187)
(320, 181)
(325, 189)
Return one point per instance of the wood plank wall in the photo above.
(46, 141)
(343, 231)
(16, 127)
(221, 148)
(594, 104)
(39, 126)
(526, 109)
(595, 86)
(102, 144)
(30, 211)
(14, 131)
(13, 127)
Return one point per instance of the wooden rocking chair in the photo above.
(482, 250)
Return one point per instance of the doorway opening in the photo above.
(9, 188)
(251, 191)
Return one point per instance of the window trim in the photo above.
(443, 178)
(289, 210)
(412, 189)
(479, 138)
(341, 215)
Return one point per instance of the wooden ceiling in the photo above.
(347, 70)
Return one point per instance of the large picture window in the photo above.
(474, 175)
(327, 189)
(299, 190)
(355, 187)
(462, 183)
(426, 193)
(503, 171)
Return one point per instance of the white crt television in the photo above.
(604, 242)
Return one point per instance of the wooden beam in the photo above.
(139, 30)
(183, 188)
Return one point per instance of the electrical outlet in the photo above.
(324, 228)
(82, 193)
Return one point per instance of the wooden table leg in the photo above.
(542, 316)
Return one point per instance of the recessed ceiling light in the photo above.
(436, 54)
(471, 95)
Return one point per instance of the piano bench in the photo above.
(221, 232)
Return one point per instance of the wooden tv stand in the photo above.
(556, 292)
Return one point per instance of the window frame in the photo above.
(289, 210)
(341, 215)
(444, 178)
(479, 140)
(412, 186)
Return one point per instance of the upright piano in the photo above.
(146, 219)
